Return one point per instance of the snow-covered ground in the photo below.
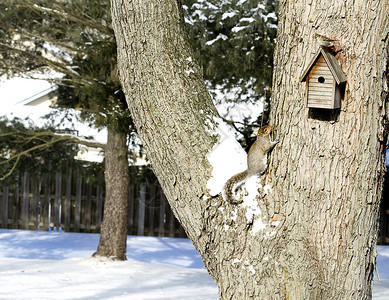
(381, 289)
(43, 265)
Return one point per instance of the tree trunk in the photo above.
(310, 233)
(328, 172)
(113, 233)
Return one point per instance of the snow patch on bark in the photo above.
(188, 72)
(227, 158)
(251, 269)
(250, 202)
(267, 189)
(258, 226)
(234, 215)
(252, 184)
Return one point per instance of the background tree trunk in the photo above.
(328, 172)
(113, 233)
(248, 253)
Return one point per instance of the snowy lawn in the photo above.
(43, 265)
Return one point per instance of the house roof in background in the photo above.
(46, 97)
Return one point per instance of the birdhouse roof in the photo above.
(331, 62)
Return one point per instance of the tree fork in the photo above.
(306, 238)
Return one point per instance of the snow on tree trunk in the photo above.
(113, 236)
(265, 247)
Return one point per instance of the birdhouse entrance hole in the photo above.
(321, 79)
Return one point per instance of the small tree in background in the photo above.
(75, 39)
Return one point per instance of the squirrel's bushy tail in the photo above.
(232, 186)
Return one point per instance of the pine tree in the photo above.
(75, 38)
(234, 41)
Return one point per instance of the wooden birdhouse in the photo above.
(325, 81)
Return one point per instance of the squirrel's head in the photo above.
(265, 130)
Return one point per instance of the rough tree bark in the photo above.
(113, 233)
(328, 172)
(325, 178)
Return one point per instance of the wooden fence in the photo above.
(72, 203)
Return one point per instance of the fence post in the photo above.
(77, 211)
(131, 209)
(45, 204)
(151, 210)
(57, 200)
(68, 201)
(5, 206)
(25, 201)
(99, 205)
(161, 231)
(15, 206)
(88, 207)
(142, 208)
(35, 202)
(172, 223)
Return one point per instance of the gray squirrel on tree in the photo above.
(256, 164)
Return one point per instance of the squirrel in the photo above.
(256, 163)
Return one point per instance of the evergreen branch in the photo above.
(37, 136)
(59, 66)
(86, 143)
(47, 143)
(25, 152)
(82, 20)
(12, 169)
(40, 60)
(233, 124)
(28, 36)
